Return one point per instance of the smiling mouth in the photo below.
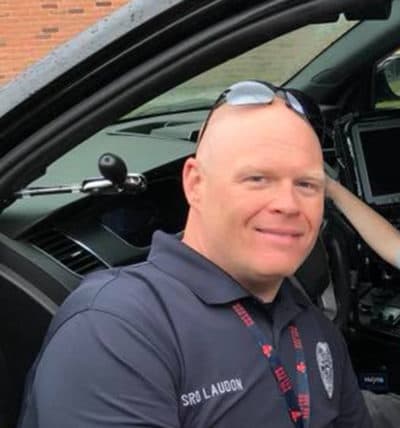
(280, 234)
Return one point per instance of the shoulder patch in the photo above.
(325, 366)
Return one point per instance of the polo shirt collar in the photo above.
(291, 303)
(206, 280)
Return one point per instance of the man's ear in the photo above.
(191, 178)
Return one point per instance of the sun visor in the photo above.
(369, 9)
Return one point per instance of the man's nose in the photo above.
(285, 200)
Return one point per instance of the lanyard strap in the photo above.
(298, 406)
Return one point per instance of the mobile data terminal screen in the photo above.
(377, 157)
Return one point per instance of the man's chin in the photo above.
(280, 270)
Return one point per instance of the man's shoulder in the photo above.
(129, 293)
(111, 282)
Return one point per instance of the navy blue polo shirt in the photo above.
(157, 344)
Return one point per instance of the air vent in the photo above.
(67, 251)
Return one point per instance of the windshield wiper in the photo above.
(115, 179)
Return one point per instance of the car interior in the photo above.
(93, 198)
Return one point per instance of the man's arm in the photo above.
(97, 372)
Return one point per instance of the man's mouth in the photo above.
(283, 235)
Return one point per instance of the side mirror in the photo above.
(387, 82)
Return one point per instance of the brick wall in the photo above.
(29, 29)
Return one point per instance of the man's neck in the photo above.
(263, 288)
(265, 292)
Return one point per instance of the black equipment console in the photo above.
(379, 309)
(374, 145)
(367, 149)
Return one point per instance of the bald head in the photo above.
(232, 125)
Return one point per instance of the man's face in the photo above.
(257, 197)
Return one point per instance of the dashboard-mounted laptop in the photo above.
(369, 151)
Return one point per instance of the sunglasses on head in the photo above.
(255, 92)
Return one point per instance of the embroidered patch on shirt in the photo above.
(325, 365)
(214, 390)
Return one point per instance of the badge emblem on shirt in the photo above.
(325, 365)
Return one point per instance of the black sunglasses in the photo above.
(254, 92)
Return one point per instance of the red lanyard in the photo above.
(298, 405)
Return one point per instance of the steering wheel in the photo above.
(325, 275)
(339, 292)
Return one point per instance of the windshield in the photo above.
(275, 61)
(146, 139)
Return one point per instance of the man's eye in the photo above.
(306, 184)
(309, 186)
(256, 178)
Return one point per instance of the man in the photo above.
(207, 332)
